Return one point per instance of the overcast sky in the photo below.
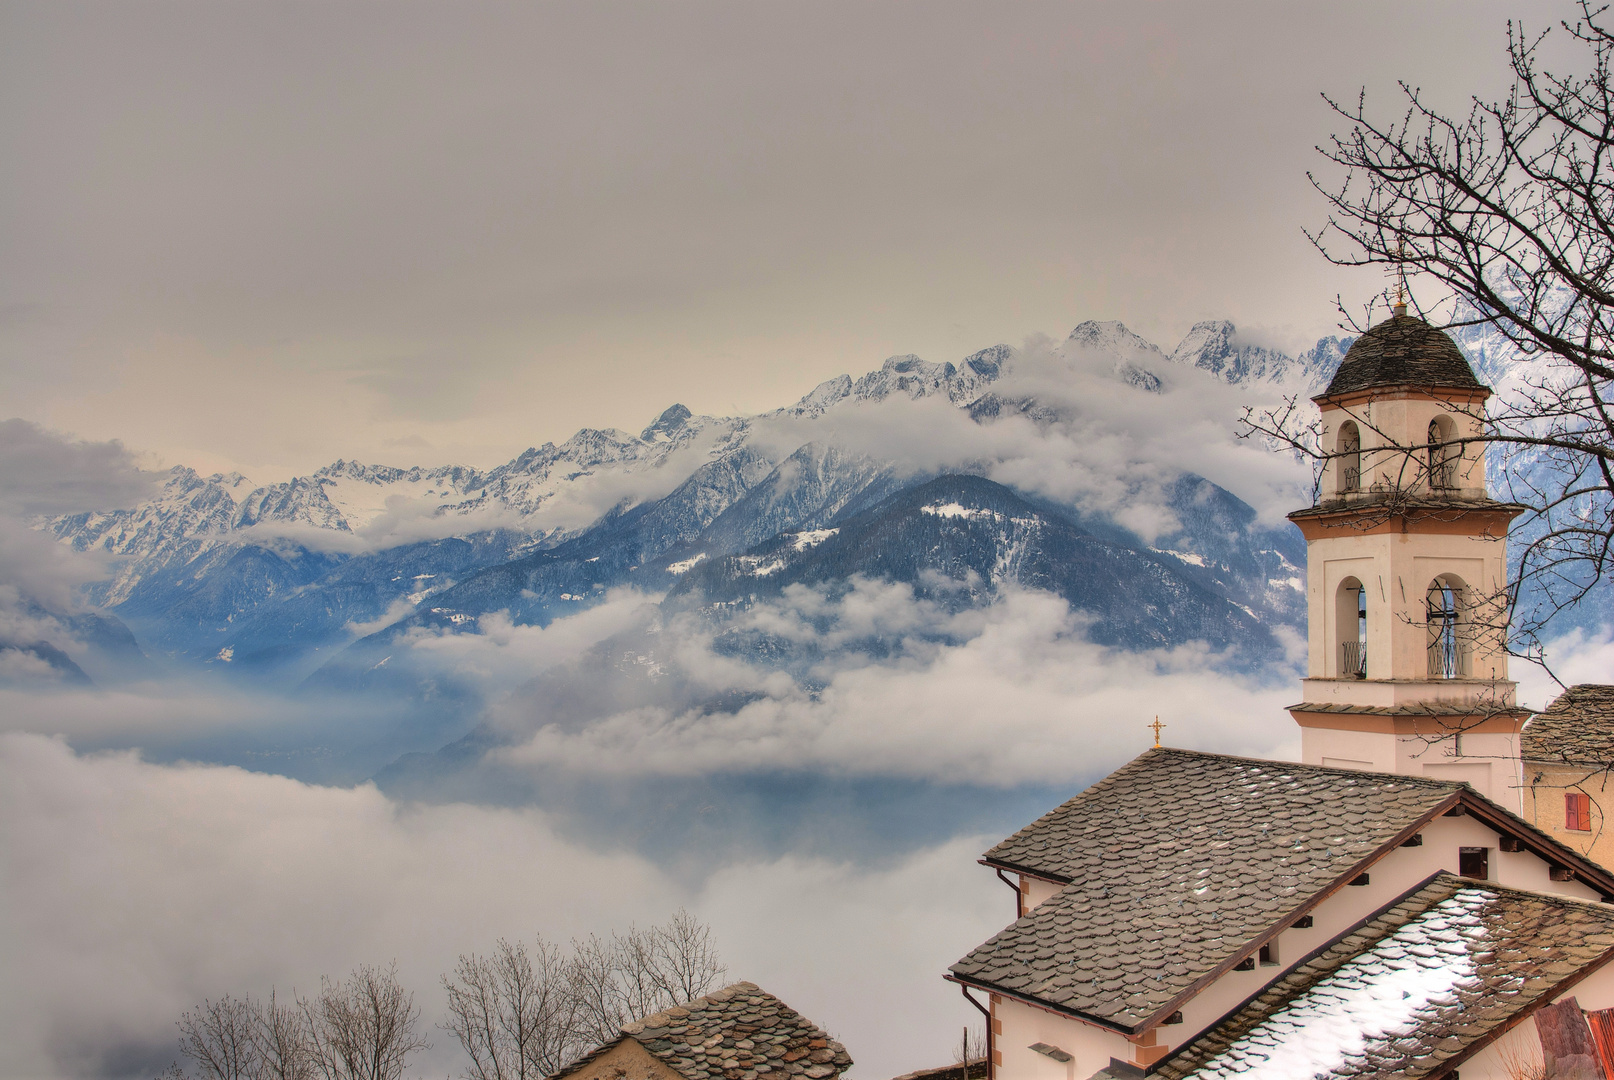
(265, 236)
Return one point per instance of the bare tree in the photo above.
(591, 980)
(364, 1028)
(643, 971)
(512, 1012)
(280, 1040)
(687, 960)
(523, 1012)
(1507, 211)
(218, 1038)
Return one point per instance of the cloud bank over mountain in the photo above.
(793, 670)
(279, 883)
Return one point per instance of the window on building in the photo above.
(1578, 811)
(1350, 619)
(1474, 862)
(1442, 454)
(1350, 457)
(1269, 954)
(1448, 643)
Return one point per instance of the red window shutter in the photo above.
(1578, 811)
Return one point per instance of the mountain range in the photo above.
(311, 576)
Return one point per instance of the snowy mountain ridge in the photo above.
(550, 492)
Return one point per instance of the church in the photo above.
(1422, 895)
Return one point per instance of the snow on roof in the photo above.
(1410, 992)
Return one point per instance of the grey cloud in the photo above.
(134, 890)
(872, 683)
(44, 473)
(588, 211)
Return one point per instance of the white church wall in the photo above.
(1034, 891)
(1396, 873)
(1396, 569)
(1394, 432)
(1022, 1026)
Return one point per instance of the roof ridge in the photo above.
(1333, 769)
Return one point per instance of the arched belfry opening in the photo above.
(1443, 453)
(1350, 629)
(1448, 629)
(1349, 462)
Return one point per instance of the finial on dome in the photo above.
(1398, 273)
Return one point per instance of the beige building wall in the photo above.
(1396, 568)
(1394, 431)
(1034, 891)
(627, 1060)
(1545, 785)
(1016, 1027)
(1485, 756)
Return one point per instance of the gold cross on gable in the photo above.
(1157, 725)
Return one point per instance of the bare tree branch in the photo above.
(1506, 213)
(363, 1029)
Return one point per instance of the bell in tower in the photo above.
(1407, 572)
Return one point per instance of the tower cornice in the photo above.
(1386, 514)
(1467, 395)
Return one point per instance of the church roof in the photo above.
(1402, 351)
(1412, 991)
(1577, 728)
(1166, 805)
(735, 1033)
(1180, 864)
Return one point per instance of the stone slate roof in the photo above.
(1168, 804)
(1420, 708)
(1577, 728)
(1410, 992)
(740, 1032)
(1402, 351)
(1177, 865)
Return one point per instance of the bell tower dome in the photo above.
(1407, 572)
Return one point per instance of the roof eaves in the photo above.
(1345, 398)
(1509, 823)
(1594, 766)
(1299, 964)
(1037, 1003)
(1015, 868)
(586, 1058)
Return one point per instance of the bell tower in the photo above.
(1407, 572)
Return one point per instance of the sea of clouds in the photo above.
(166, 838)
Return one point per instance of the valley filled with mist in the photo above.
(790, 669)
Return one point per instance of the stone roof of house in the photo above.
(740, 1032)
(1411, 991)
(1177, 865)
(1402, 351)
(1577, 728)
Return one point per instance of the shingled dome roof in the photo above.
(1402, 351)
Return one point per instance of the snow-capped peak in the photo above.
(1214, 346)
(666, 424)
